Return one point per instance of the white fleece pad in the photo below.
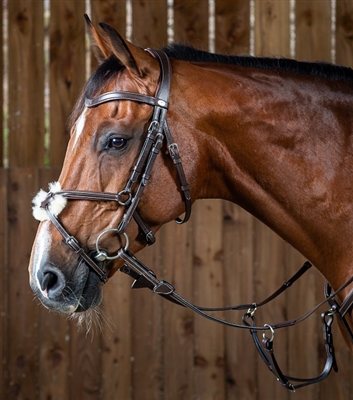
(57, 204)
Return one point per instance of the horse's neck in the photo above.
(278, 148)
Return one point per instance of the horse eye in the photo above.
(117, 143)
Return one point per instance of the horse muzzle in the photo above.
(74, 287)
(59, 293)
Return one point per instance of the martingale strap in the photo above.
(265, 348)
(146, 278)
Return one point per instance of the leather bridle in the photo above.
(129, 197)
(143, 277)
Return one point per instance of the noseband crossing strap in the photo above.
(143, 277)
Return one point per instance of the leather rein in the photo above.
(144, 277)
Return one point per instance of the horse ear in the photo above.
(101, 47)
(113, 44)
(120, 49)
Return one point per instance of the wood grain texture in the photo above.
(151, 14)
(26, 83)
(111, 12)
(344, 32)
(191, 23)
(116, 339)
(208, 291)
(147, 335)
(150, 348)
(22, 318)
(313, 30)
(3, 281)
(178, 322)
(272, 28)
(2, 64)
(232, 27)
(67, 70)
(239, 288)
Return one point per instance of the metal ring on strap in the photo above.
(101, 254)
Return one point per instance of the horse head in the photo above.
(103, 157)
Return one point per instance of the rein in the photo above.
(143, 277)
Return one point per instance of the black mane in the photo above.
(320, 69)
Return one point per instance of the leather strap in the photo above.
(265, 348)
(122, 95)
(340, 310)
(346, 304)
(72, 242)
(146, 278)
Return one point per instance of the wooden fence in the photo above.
(148, 348)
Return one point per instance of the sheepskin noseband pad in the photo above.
(56, 205)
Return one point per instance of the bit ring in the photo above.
(101, 254)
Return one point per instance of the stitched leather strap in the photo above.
(75, 246)
(122, 95)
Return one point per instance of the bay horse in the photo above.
(274, 136)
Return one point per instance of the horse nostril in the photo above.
(52, 282)
(49, 281)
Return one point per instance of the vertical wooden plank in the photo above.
(3, 282)
(208, 283)
(147, 335)
(147, 310)
(67, 70)
(116, 357)
(22, 318)
(116, 309)
(191, 23)
(84, 364)
(239, 271)
(344, 32)
(272, 28)
(313, 30)
(152, 33)
(53, 335)
(26, 83)
(232, 27)
(2, 69)
(271, 39)
(111, 12)
(178, 322)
